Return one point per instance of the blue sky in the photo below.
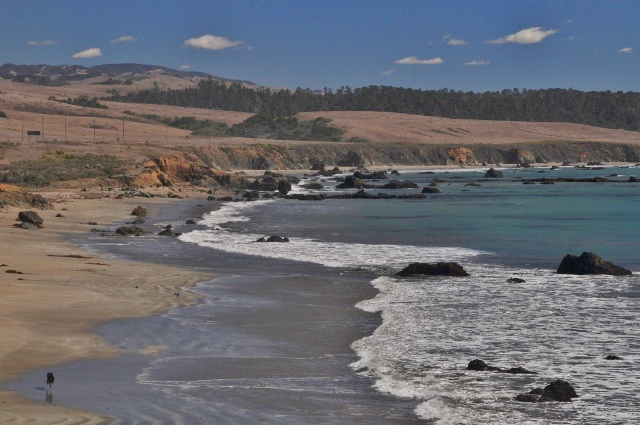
(456, 44)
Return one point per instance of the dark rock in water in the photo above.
(276, 238)
(437, 269)
(139, 211)
(190, 221)
(515, 280)
(396, 184)
(519, 371)
(559, 390)
(479, 365)
(251, 195)
(556, 391)
(493, 173)
(633, 179)
(303, 197)
(528, 182)
(284, 187)
(430, 190)
(590, 263)
(395, 172)
(313, 186)
(527, 398)
(566, 164)
(261, 240)
(376, 175)
(293, 179)
(28, 226)
(131, 231)
(472, 185)
(351, 182)
(134, 222)
(168, 232)
(612, 357)
(30, 217)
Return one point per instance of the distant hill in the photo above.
(45, 74)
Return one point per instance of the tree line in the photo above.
(603, 109)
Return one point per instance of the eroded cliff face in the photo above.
(266, 156)
(207, 164)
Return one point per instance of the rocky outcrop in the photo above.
(430, 190)
(351, 159)
(558, 390)
(590, 263)
(437, 269)
(399, 184)
(273, 238)
(481, 366)
(313, 186)
(494, 174)
(284, 187)
(351, 182)
(131, 231)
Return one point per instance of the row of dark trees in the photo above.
(603, 109)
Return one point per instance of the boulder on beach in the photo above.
(30, 217)
(28, 226)
(169, 232)
(493, 173)
(190, 221)
(139, 211)
(590, 263)
(437, 269)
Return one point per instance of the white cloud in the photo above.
(475, 63)
(40, 43)
(185, 67)
(211, 42)
(94, 52)
(413, 60)
(387, 72)
(454, 41)
(527, 36)
(625, 50)
(128, 38)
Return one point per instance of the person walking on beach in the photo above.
(50, 379)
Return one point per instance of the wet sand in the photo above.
(58, 292)
(268, 342)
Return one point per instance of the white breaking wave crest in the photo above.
(330, 254)
(432, 328)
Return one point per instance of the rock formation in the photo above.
(437, 269)
(590, 263)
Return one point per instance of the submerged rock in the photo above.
(437, 269)
(612, 357)
(590, 263)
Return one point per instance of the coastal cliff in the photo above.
(302, 156)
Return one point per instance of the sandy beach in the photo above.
(53, 293)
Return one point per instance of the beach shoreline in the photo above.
(55, 292)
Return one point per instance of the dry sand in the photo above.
(47, 312)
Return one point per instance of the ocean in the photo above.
(321, 330)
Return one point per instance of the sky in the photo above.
(466, 45)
